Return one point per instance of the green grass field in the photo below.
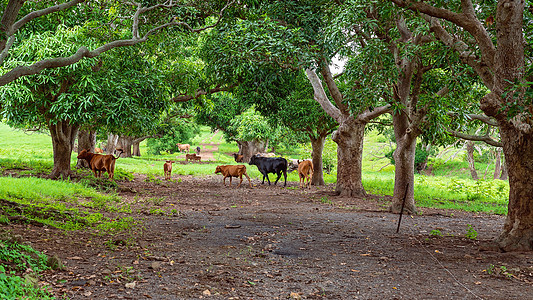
(450, 188)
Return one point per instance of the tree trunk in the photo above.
(318, 168)
(125, 142)
(63, 137)
(136, 151)
(404, 174)
(497, 163)
(112, 140)
(517, 232)
(470, 158)
(505, 174)
(250, 148)
(349, 138)
(87, 141)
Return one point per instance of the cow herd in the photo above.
(100, 164)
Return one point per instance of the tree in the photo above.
(290, 35)
(102, 20)
(88, 92)
(495, 50)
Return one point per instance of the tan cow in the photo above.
(305, 171)
(233, 171)
(183, 147)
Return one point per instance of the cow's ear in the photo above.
(298, 161)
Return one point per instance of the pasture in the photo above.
(191, 237)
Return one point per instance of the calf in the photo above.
(267, 165)
(305, 171)
(189, 157)
(197, 158)
(183, 147)
(99, 163)
(167, 167)
(233, 171)
(237, 157)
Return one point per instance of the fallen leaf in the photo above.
(130, 285)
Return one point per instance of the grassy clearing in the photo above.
(450, 187)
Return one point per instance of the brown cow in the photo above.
(238, 157)
(197, 158)
(99, 163)
(305, 171)
(183, 147)
(233, 171)
(167, 167)
(189, 157)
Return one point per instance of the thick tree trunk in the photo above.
(497, 163)
(249, 148)
(517, 232)
(136, 151)
(404, 174)
(112, 140)
(125, 142)
(63, 137)
(349, 138)
(318, 169)
(470, 158)
(87, 141)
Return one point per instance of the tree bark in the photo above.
(87, 141)
(63, 137)
(318, 169)
(136, 151)
(349, 138)
(470, 158)
(505, 174)
(497, 163)
(517, 232)
(404, 175)
(112, 140)
(125, 143)
(249, 148)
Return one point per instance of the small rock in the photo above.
(130, 285)
(156, 265)
(206, 293)
(106, 272)
(87, 294)
(91, 282)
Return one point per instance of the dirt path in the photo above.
(197, 239)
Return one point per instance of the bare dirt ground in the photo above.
(270, 242)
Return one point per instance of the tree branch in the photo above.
(483, 138)
(201, 92)
(84, 52)
(321, 97)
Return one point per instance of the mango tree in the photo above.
(493, 45)
(121, 23)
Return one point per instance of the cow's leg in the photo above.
(240, 176)
(225, 180)
(268, 179)
(230, 180)
(285, 175)
(249, 181)
(277, 179)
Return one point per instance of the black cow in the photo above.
(267, 165)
